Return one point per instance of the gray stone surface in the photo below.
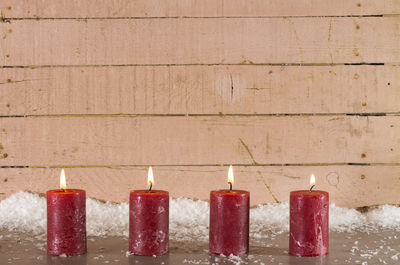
(379, 247)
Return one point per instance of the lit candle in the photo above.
(149, 220)
(66, 220)
(229, 220)
(309, 222)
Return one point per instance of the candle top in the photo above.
(226, 192)
(309, 193)
(66, 191)
(150, 192)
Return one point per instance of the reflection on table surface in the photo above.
(73, 260)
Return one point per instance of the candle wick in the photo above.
(151, 185)
(312, 187)
(230, 185)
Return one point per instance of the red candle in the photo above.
(229, 220)
(309, 222)
(149, 221)
(66, 220)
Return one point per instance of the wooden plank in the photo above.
(207, 140)
(349, 186)
(200, 41)
(245, 89)
(195, 8)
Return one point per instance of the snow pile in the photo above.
(386, 216)
(189, 219)
(24, 212)
(345, 220)
(107, 219)
(273, 216)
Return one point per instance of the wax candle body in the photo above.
(309, 223)
(229, 222)
(66, 222)
(148, 222)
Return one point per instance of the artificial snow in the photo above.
(386, 216)
(273, 217)
(26, 212)
(23, 211)
(188, 219)
(345, 220)
(106, 219)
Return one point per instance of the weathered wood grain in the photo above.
(166, 64)
(349, 186)
(194, 8)
(245, 89)
(200, 41)
(199, 140)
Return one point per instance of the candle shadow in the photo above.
(158, 260)
(71, 260)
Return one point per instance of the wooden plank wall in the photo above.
(279, 89)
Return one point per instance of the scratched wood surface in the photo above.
(243, 89)
(199, 140)
(315, 40)
(194, 8)
(279, 89)
(264, 183)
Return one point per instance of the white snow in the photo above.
(189, 219)
(106, 219)
(273, 216)
(345, 220)
(235, 259)
(386, 216)
(23, 211)
(395, 257)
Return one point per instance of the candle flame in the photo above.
(150, 177)
(63, 182)
(230, 175)
(312, 180)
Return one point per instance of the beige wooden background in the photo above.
(280, 89)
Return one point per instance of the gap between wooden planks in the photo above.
(198, 140)
(208, 90)
(349, 186)
(194, 8)
(200, 41)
